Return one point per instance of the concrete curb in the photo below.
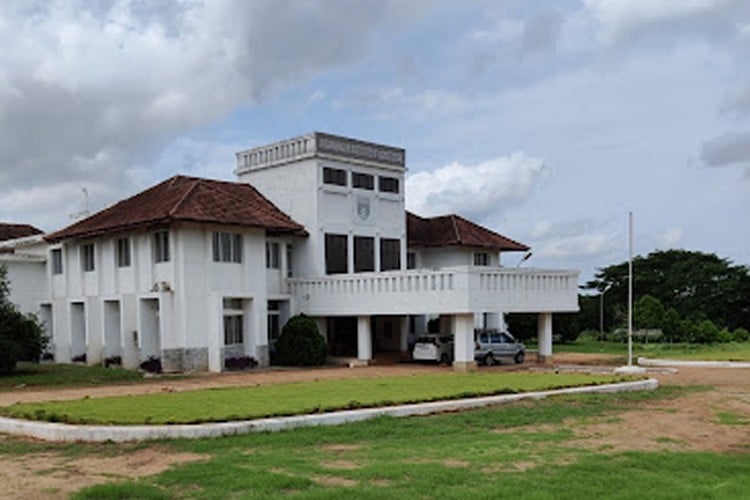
(49, 431)
(695, 364)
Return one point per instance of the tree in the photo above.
(300, 343)
(21, 336)
(648, 313)
(686, 281)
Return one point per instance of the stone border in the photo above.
(694, 364)
(49, 431)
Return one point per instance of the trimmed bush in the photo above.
(21, 336)
(300, 343)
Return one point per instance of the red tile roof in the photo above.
(13, 231)
(453, 230)
(183, 198)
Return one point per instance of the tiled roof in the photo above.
(13, 231)
(453, 230)
(183, 198)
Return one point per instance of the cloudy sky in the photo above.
(546, 121)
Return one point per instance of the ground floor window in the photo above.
(233, 322)
(274, 321)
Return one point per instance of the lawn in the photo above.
(731, 351)
(525, 450)
(240, 403)
(67, 375)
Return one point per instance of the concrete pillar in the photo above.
(544, 333)
(364, 338)
(463, 354)
(494, 320)
(404, 333)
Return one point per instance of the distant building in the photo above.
(196, 271)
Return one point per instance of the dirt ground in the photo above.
(690, 422)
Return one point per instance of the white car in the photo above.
(434, 347)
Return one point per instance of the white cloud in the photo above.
(475, 191)
(100, 88)
(619, 16)
(671, 238)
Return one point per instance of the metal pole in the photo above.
(630, 289)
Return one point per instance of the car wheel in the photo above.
(445, 359)
(519, 358)
(489, 360)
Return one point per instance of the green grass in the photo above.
(294, 398)
(65, 375)
(732, 418)
(524, 450)
(731, 351)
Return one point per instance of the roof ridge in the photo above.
(455, 228)
(184, 197)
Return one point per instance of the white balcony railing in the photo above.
(448, 290)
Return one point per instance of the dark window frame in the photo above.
(161, 246)
(336, 253)
(123, 252)
(364, 254)
(226, 247)
(335, 176)
(390, 254)
(57, 260)
(389, 184)
(363, 181)
(88, 257)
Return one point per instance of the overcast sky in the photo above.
(545, 121)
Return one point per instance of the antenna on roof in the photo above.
(85, 212)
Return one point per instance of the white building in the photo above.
(196, 271)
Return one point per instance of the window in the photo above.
(390, 254)
(161, 246)
(56, 258)
(274, 315)
(335, 176)
(123, 252)
(289, 260)
(411, 260)
(272, 255)
(87, 257)
(481, 259)
(363, 181)
(388, 184)
(233, 321)
(336, 254)
(364, 254)
(227, 247)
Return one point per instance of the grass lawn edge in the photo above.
(60, 432)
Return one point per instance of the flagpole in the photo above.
(630, 288)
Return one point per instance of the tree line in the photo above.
(690, 296)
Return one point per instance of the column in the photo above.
(544, 333)
(364, 338)
(404, 336)
(463, 330)
(494, 320)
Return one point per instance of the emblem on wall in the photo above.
(363, 207)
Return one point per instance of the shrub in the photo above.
(740, 335)
(112, 361)
(8, 356)
(151, 365)
(300, 343)
(240, 363)
(21, 336)
(705, 332)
